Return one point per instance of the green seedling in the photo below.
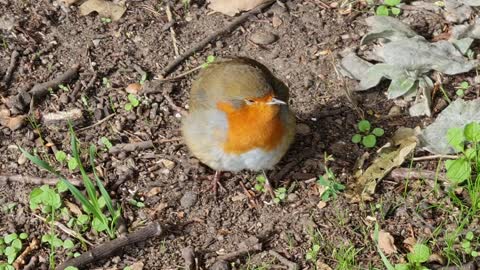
(136, 203)
(467, 245)
(312, 253)
(462, 88)
(365, 136)
(143, 79)
(260, 185)
(133, 102)
(71, 267)
(416, 258)
(106, 143)
(106, 82)
(186, 4)
(328, 185)
(10, 247)
(63, 88)
(105, 20)
(210, 59)
(280, 195)
(389, 7)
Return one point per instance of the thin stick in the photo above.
(109, 248)
(180, 76)
(172, 32)
(291, 265)
(27, 179)
(130, 147)
(65, 229)
(228, 28)
(97, 123)
(41, 89)
(11, 68)
(401, 174)
(435, 157)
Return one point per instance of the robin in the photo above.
(238, 117)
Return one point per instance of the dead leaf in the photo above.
(321, 204)
(436, 258)
(13, 123)
(322, 266)
(73, 208)
(231, 8)
(134, 88)
(103, 8)
(154, 191)
(386, 242)
(409, 242)
(404, 142)
(137, 266)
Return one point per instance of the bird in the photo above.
(239, 117)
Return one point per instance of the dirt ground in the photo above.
(51, 38)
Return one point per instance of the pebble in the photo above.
(303, 129)
(188, 199)
(98, 114)
(22, 159)
(220, 265)
(292, 197)
(276, 21)
(263, 38)
(395, 111)
(64, 98)
(167, 163)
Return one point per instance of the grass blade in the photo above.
(103, 191)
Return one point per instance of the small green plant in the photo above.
(416, 258)
(92, 204)
(136, 203)
(467, 245)
(260, 185)
(461, 88)
(63, 88)
(316, 240)
(280, 195)
(389, 7)
(367, 138)
(10, 247)
(133, 102)
(328, 185)
(210, 59)
(312, 253)
(106, 143)
(61, 157)
(186, 4)
(143, 79)
(105, 20)
(106, 82)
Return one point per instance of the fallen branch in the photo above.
(407, 173)
(20, 260)
(109, 248)
(291, 265)
(41, 89)
(130, 147)
(11, 68)
(200, 45)
(27, 179)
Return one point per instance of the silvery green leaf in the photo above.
(462, 44)
(457, 11)
(386, 27)
(457, 114)
(473, 3)
(375, 74)
(422, 56)
(400, 86)
(423, 103)
(353, 66)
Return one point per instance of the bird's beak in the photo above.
(276, 101)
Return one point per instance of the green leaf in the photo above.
(382, 11)
(98, 225)
(402, 266)
(106, 142)
(357, 138)
(57, 242)
(474, 254)
(472, 132)
(395, 11)
(464, 85)
(369, 141)
(71, 268)
(400, 86)
(11, 254)
(364, 126)
(210, 59)
(68, 244)
(392, 2)
(378, 132)
(82, 219)
(470, 153)
(10, 237)
(466, 244)
(419, 254)
(23, 236)
(60, 156)
(35, 198)
(17, 244)
(458, 170)
(460, 92)
(128, 107)
(133, 100)
(456, 138)
(72, 164)
(61, 187)
(469, 236)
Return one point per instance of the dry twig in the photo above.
(130, 147)
(20, 261)
(291, 265)
(172, 32)
(27, 179)
(11, 68)
(41, 89)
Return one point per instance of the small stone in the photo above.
(263, 38)
(303, 129)
(219, 44)
(22, 159)
(96, 42)
(220, 265)
(395, 111)
(188, 200)
(292, 197)
(64, 98)
(98, 114)
(334, 5)
(167, 163)
(276, 21)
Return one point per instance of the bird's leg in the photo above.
(216, 182)
(268, 187)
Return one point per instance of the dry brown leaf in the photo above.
(137, 266)
(386, 242)
(321, 204)
(404, 143)
(322, 266)
(409, 242)
(231, 8)
(154, 191)
(103, 8)
(13, 123)
(134, 88)
(73, 208)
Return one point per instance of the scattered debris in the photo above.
(103, 8)
(231, 8)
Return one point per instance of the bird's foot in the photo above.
(216, 183)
